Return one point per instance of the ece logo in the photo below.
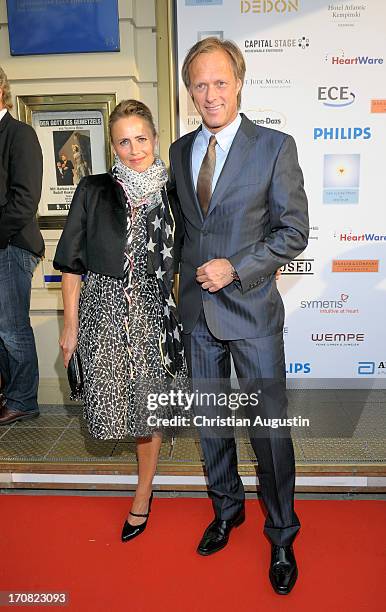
(335, 96)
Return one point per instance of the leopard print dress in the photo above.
(117, 381)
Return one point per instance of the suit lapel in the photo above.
(238, 152)
(186, 154)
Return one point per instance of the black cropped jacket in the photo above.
(94, 236)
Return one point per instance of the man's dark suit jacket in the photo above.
(21, 168)
(257, 218)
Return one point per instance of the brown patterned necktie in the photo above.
(205, 176)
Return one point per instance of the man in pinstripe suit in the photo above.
(244, 212)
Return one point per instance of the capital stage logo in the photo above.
(337, 305)
(338, 338)
(275, 45)
(335, 96)
(299, 266)
(339, 58)
(264, 7)
(341, 178)
(267, 117)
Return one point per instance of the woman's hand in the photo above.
(277, 274)
(68, 342)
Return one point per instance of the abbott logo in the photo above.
(269, 6)
(366, 368)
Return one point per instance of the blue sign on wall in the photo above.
(62, 26)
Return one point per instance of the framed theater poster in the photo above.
(73, 133)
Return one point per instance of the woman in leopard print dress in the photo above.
(123, 321)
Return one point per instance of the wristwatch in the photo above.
(234, 275)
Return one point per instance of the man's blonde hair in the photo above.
(209, 45)
(6, 90)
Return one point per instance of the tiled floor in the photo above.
(345, 427)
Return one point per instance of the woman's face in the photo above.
(134, 142)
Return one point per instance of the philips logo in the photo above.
(342, 133)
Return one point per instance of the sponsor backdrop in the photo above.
(317, 70)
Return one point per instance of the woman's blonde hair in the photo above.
(128, 108)
(209, 45)
(6, 90)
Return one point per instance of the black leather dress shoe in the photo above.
(129, 532)
(216, 535)
(9, 415)
(283, 571)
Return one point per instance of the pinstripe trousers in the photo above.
(260, 367)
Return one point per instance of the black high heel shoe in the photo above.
(132, 531)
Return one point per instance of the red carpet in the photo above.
(72, 544)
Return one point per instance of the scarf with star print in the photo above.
(149, 188)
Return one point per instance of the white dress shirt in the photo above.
(224, 140)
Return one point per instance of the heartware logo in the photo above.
(299, 266)
(275, 45)
(269, 6)
(349, 236)
(338, 58)
(267, 117)
(335, 96)
(337, 338)
(342, 133)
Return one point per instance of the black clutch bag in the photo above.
(75, 374)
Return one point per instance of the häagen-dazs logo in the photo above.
(267, 117)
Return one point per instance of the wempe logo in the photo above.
(342, 133)
(330, 306)
(338, 58)
(364, 237)
(335, 96)
(337, 338)
(275, 45)
(299, 266)
(269, 6)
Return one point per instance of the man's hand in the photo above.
(215, 274)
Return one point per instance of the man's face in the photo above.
(214, 89)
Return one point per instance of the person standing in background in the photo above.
(21, 247)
